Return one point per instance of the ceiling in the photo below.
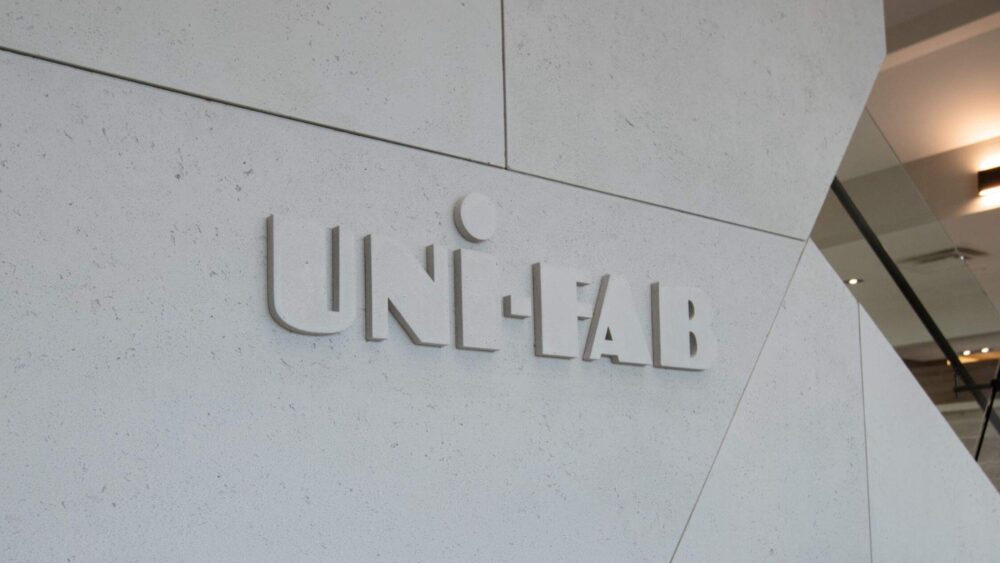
(937, 104)
(941, 101)
(910, 22)
(901, 11)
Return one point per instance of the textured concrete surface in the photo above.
(735, 110)
(789, 483)
(967, 424)
(152, 408)
(929, 499)
(739, 111)
(424, 73)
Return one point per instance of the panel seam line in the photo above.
(739, 401)
(503, 73)
(864, 426)
(371, 137)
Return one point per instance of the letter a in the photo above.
(616, 330)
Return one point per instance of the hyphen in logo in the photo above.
(312, 292)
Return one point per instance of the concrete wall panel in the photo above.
(427, 74)
(929, 499)
(735, 110)
(789, 482)
(153, 409)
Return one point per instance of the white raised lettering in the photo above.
(311, 273)
(396, 283)
(682, 332)
(557, 310)
(616, 331)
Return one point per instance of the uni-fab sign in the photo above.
(313, 269)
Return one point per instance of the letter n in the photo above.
(396, 283)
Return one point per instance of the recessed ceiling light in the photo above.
(854, 281)
(985, 350)
(989, 182)
(966, 352)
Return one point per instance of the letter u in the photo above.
(311, 276)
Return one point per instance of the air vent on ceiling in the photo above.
(940, 259)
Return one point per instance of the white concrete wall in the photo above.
(789, 482)
(153, 410)
(138, 322)
(734, 110)
(427, 73)
(929, 499)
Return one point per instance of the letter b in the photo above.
(682, 332)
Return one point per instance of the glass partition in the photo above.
(938, 271)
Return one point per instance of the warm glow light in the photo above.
(991, 191)
(985, 350)
(966, 352)
(991, 161)
(989, 182)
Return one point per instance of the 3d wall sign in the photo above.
(312, 270)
